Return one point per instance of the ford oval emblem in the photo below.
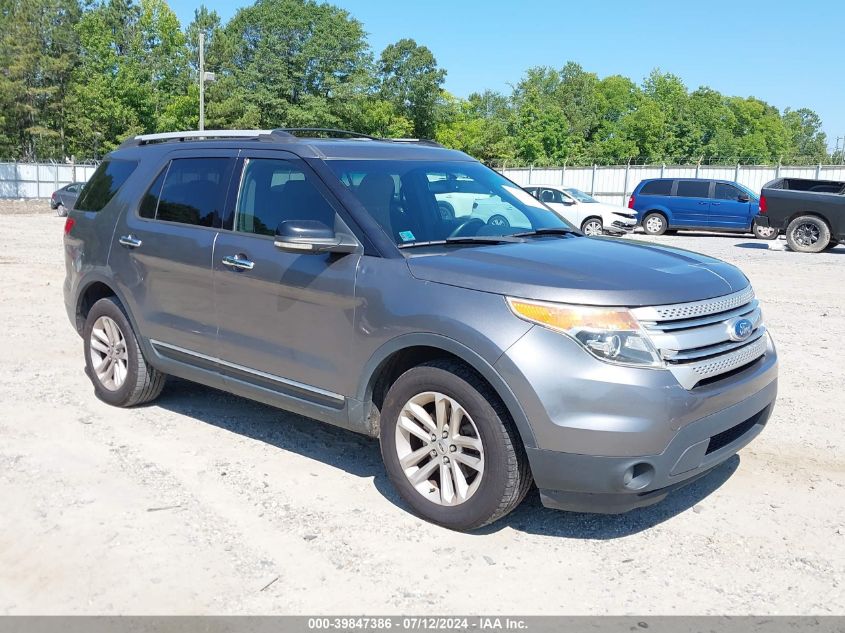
(740, 329)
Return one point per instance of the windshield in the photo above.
(580, 196)
(432, 201)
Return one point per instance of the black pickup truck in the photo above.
(810, 212)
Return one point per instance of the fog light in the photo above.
(638, 476)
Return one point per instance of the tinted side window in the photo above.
(275, 190)
(193, 192)
(107, 179)
(149, 204)
(657, 188)
(726, 192)
(550, 195)
(693, 189)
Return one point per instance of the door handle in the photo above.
(715, 204)
(130, 241)
(238, 261)
(703, 203)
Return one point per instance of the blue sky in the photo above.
(786, 53)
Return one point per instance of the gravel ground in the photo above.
(208, 503)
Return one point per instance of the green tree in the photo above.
(288, 63)
(410, 79)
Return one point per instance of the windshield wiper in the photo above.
(540, 232)
(469, 239)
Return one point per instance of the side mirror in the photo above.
(311, 236)
(569, 203)
(743, 198)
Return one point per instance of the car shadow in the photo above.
(755, 245)
(360, 456)
(836, 250)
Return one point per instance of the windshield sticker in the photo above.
(524, 197)
(407, 236)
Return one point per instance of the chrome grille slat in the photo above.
(704, 307)
(694, 339)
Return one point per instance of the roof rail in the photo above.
(291, 131)
(144, 139)
(421, 141)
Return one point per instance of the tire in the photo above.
(61, 211)
(764, 232)
(498, 220)
(592, 226)
(655, 224)
(447, 211)
(808, 234)
(129, 379)
(486, 435)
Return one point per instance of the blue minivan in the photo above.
(694, 203)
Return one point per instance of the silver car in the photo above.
(321, 275)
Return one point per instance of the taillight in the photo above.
(69, 225)
(631, 202)
(763, 206)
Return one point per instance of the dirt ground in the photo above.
(205, 503)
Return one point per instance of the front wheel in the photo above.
(450, 448)
(592, 226)
(499, 220)
(113, 358)
(808, 234)
(655, 224)
(764, 232)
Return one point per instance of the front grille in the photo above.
(720, 440)
(694, 338)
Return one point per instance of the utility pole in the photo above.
(202, 81)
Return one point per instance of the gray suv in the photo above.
(320, 275)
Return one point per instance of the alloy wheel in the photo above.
(807, 234)
(439, 448)
(654, 224)
(109, 356)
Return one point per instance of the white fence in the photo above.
(39, 180)
(614, 184)
(608, 184)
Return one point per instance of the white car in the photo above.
(584, 211)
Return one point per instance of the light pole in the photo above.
(203, 76)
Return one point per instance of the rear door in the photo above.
(691, 203)
(730, 208)
(285, 320)
(162, 252)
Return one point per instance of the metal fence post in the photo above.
(530, 173)
(697, 168)
(593, 185)
(736, 173)
(819, 172)
(662, 170)
(625, 186)
(563, 174)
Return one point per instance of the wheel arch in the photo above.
(813, 214)
(94, 289)
(407, 351)
(667, 215)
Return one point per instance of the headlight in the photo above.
(609, 334)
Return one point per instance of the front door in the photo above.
(561, 204)
(691, 204)
(285, 320)
(730, 208)
(161, 256)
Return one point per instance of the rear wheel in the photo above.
(450, 448)
(113, 358)
(655, 224)
(592, 226)
(808, 234)
(61, 210)
(447, 211)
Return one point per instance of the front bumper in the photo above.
(612, 438)
(621, 226)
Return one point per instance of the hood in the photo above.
(591, 271)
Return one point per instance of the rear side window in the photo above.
(657, 188)
(189, 191)
(693, 189)
(107, 179)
